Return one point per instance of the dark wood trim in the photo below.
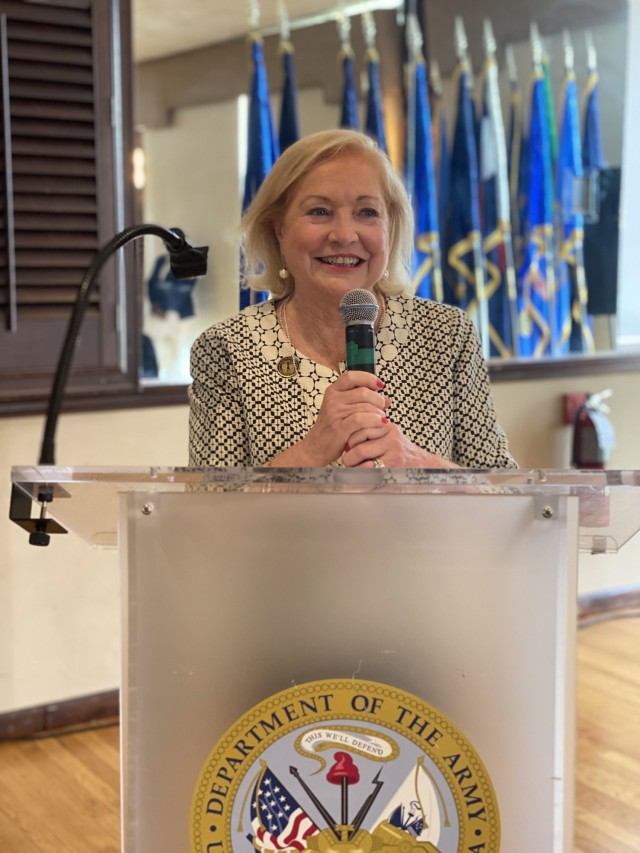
(146, 397)
(57, 717)
(514, 370)
(176, 395)
(608, 604)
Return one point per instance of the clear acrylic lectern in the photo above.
(459, 587)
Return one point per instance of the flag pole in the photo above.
(441, 174)
(572, 245)
(411, 36)
(435, 80)
(374, 120)
(593, 156)
(262, 145)
(289, 129)
(349, 108)
(420, 175)
(502, 183)
(539, 67)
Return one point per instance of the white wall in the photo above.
(195, 181)
(629, 303)
(531, 414)
(59, 606)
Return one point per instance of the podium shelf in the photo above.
(84, 500)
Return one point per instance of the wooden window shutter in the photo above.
(58, 190)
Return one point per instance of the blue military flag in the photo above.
(262, 148)
(602, 202)
(500, 283)
(349, 108)
(420, 175)
(463, 228)
(536, 276)
(289, 124)
(374, 122)
(549, 103)
(516, 157)
(289, 131)
(573, 326)
(441, 153)
(592, 154)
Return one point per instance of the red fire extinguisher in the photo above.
(593, 435)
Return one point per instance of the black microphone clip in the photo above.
(185, 260)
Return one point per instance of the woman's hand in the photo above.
(387, 443)
(351, 404)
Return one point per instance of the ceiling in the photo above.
(165, 27)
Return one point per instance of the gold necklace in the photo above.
(288, 365)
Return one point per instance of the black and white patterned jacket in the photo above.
(244, 412)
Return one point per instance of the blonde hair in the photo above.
(261, 249)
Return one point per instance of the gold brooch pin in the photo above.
(288, 365)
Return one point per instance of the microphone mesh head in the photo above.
(359, 306)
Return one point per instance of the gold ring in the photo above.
(378, 463)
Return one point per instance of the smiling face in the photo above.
(334, 235)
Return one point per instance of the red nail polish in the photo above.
(384, 420)
(346, 448)
(379, 383)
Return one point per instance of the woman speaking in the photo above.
(270, 385)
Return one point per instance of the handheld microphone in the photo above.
(359, 309)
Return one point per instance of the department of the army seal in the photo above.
(344, 766)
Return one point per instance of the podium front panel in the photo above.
(467, 601)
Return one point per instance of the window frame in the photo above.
(105, 368)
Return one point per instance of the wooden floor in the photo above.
(608, 746)
(61, 794)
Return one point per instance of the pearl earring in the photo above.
(385, 274)
(284, 273)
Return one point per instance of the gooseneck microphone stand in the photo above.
(186, 262)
